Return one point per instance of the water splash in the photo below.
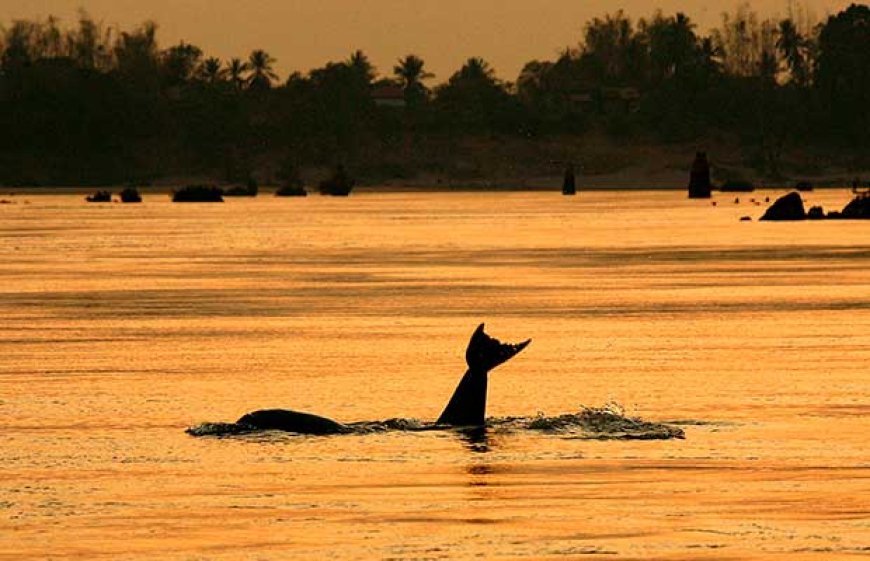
(601, 423)
(606, 423)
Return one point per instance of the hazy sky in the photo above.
(303, 34)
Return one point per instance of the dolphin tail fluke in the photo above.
(485, 353)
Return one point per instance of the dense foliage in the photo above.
(93, 104)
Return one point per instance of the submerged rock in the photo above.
(198, 194)
(292, 184)
(339, 185)
(815, 213)
(859, 207)
(788, 207)
(291, 191)
(249, 190)
(130, 195)
(100, 197)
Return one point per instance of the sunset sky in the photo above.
(303, 34)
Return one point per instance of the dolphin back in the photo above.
(291, 421)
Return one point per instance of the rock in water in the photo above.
(130, 195)
(100, 197)
(291, 191)
(699, 177)
(339, 185)
(248, 190)
(198, 194)
(859, 207)
(816, 213)
(788, 207)
(569, 185)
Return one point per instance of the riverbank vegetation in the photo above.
(92, 104)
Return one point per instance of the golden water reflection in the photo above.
(122, 326)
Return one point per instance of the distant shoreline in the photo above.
(508, 164)
(269, 190)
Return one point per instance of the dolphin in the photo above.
(292, 421)
(466, 408)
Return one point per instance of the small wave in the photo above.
(598, 423)
(396, 424)
(602, 423)
(220, 429)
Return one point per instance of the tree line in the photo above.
(92, 104)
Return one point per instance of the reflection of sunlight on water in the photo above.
(123, 326)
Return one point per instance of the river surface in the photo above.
(121, 325)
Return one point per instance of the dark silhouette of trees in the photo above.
(474, 100)
(211, 71)
(93, 104)
(360, 64)
(136, 57)
(792, 49)
(612, 53)
(90, 45)
(236, 70)
(843, 73)
(672, 44)
(180, 64)
(410, 73)
(739, 42)
(262, 72)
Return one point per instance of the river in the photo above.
(122, 325)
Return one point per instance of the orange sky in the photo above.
(303, 34)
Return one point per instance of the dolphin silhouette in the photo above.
(467, 406)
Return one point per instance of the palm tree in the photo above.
(611, 43)
(409, 71)
(235, 72)
(684, 41)
(791, 46)
(260, 66)
(211, 70)
(360, 63)
(473, 98)
(475, 69)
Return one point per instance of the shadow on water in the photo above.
(480, 474)
(479, 441)
(476, 439)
